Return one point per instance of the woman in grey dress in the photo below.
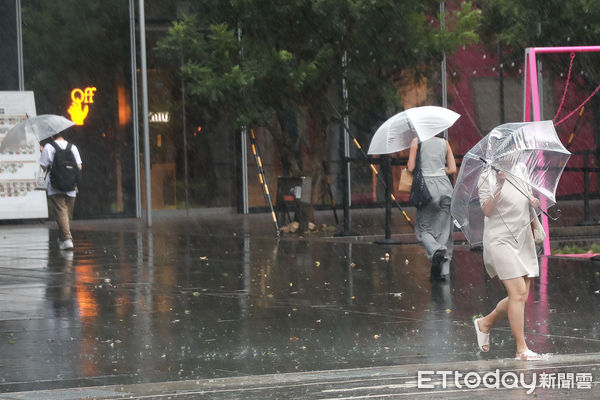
(508, 252)
(434, 223)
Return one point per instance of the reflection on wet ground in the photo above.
(195, 302)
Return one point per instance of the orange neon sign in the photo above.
(78, 97)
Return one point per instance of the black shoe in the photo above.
(439, 256)
(436, 264)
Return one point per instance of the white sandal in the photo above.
(529, 355)
(483, 339)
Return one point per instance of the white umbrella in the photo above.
(397, 133)
(34, 129)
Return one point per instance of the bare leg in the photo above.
(499, 313)
(512, 306)
(518, 292)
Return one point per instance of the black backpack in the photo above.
(64, 173)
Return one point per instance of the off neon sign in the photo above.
(80, 100)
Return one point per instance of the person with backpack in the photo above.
(63, 161)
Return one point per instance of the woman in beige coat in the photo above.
(508, 252)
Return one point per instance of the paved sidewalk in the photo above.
(558, 378)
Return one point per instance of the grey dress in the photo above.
(434, 222)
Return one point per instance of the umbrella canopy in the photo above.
(397, 133)
(531, 155)
(34, 129)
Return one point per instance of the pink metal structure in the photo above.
(531, 102)
(531, 95)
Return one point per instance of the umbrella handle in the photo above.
(558, 210)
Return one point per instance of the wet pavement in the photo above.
(421, 381)
(207, 306)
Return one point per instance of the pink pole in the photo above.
(526, 90)
(565, 49)
(535, 93)
(535, 97)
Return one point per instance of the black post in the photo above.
(330, 192)
(501, 81)
(345, 151)
(387, 170)
(346, 191)
(185, 145)
(346, 199)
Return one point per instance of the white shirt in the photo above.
(47, 158)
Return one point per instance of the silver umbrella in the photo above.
(34, 129)
(531, 155)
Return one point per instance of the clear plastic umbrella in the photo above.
(34, 129)
(396, 133)
(531, 155)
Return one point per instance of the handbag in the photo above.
(539, 234)
(419, 194)
(41, 179)
(406, 180)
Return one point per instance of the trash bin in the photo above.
(293, 194)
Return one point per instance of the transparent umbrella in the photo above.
(531, 155)
(34, 129)
(396, 133)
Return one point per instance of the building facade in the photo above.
(78, 60)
